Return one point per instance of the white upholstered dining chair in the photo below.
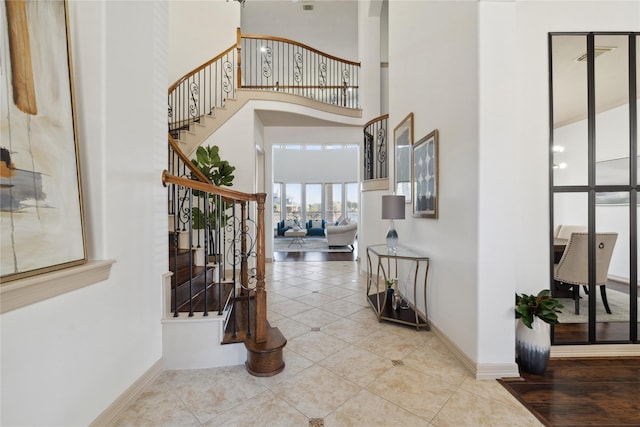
(573, 267)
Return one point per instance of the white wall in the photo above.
(496, 278)
(64, 360)
(514, 143)
(317, 165)
(433, 68)
(489, 100)
(199, 30)
(369, 54)
(331, 27)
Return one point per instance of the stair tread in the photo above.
(212, 298)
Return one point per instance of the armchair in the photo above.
(316, 227)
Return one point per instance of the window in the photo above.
(293, 195)
(313, 201)
(352, 208)
(332, 201)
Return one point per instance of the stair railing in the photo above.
(201, 90)
(376, 146)
(279, 64)
(232, 237)
(261, 63)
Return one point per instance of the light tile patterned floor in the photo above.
(343, 368)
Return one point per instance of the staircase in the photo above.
(196, 288)
(209, 313)
(236, 312)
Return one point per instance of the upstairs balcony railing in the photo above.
(262, 63)
(274, 63)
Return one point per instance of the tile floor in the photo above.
(343, 368)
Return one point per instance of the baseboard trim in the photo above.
(480, 371)
(599, 350)
(111, 414)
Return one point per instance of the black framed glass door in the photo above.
(594, 180)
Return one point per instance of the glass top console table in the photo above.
(382, 265)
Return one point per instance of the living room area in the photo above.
(315, 199)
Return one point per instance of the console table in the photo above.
(385, 264)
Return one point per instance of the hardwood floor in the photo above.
(316, 256)
(582, 392)
(578, 333)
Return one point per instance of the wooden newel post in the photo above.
(239, 49)
(261, 294)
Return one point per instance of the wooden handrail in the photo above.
(377, 119)
(282, 39)
(201, 67)
(187, 162)
(239, 196)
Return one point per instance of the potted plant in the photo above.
(535, 314)
(220, 173)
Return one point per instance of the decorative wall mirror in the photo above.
(403, 140)
(375, 170)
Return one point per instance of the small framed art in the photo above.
(424, 173)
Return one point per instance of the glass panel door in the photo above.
(594, 182)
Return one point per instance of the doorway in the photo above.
(594, 182)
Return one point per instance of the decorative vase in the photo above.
(390, 292)
(533, 346)
(396, 302)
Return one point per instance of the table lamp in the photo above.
(392, 208)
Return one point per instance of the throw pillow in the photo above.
(316, 223)
(345, 221)
(289, 222)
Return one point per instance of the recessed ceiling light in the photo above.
(597, 51)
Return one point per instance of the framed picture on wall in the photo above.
(424, 172)
(403, 139)
(41, 215)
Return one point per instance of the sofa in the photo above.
(341, 235)
(285, 225)
(315, 227)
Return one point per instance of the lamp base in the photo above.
(392, 239)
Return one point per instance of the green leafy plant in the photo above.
(220, 173)
(543, 305)
(389, 283)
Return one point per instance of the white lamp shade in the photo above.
(393, 207)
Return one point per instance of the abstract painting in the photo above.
(41, 216)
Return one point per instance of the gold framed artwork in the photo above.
(424, 172)
(403, 140)
(41, 214)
